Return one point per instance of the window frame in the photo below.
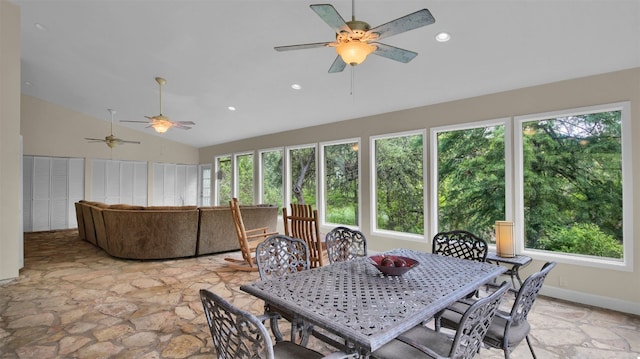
(235, 187)
(508, 167)
(260, 176)
(201, 170)
(322, 185)
(216, 194)
(287, 170)
(626, 264)
(420, 238)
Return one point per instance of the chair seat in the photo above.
(287, 349)
(436, 341)
(517, 332)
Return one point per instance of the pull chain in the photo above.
(353, 80)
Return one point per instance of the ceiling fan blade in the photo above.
(127, 141)
(338, 65)
(181, 126)
(190, 123)
(134, 121)
(302, 46)
(94, 139)
(406, 23)
(329, 14)
(394, 53)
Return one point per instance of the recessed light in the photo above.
(27, 83)
(231, 108)
(443, 37)
(39, 26)
(296, 87)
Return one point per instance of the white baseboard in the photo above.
(592, 299)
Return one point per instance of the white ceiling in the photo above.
(99, 54)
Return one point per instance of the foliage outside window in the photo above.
(271, 178)
(399, 183)
(244, 178)
(341, 181)
(302, 169)
(223, 180)
(471, 180)
(572, 184)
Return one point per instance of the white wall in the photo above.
(10, 157)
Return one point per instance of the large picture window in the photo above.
(398, 182)
(205, 184)
(340, 180)
(470, 184)
(302, 175)
(223, 180)
(271, 173)
(573, 181)
(244, 178)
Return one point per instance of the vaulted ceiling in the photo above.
(97, 54)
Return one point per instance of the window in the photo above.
(223, 180)
(205, 185)
(302, 175)
(244, 178)
(469, 168)
(573, 177)
(271, 182)
(398, 183)
(341, 182)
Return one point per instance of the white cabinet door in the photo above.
(51, 186)
(41, 193)
(115, 181)
(59, 193)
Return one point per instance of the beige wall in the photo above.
(52, 130)
(596, 286)
(10, 236)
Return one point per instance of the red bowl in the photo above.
(394, 269)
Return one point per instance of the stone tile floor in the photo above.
(74, 301)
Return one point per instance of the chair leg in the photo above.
(275, 328)
(530, 347)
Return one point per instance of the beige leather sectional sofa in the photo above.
(162, 232)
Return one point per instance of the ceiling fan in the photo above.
(162, 123)
(355, 39)
(111, 140)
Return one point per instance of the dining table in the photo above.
(354, 301)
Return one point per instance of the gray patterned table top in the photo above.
(355, 301)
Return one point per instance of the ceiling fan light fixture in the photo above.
(161, 125)
(354, 52)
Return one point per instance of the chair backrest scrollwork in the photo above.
(345, 244)
(460, 244)
(280, 255)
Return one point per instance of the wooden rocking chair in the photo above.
(248, 238)
(302, 223)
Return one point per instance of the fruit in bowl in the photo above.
(391, 264)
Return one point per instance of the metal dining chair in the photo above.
(508, 329)
(239, 334)
(422, 342)
(344, 244)
(277, 256)
(460, 244)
